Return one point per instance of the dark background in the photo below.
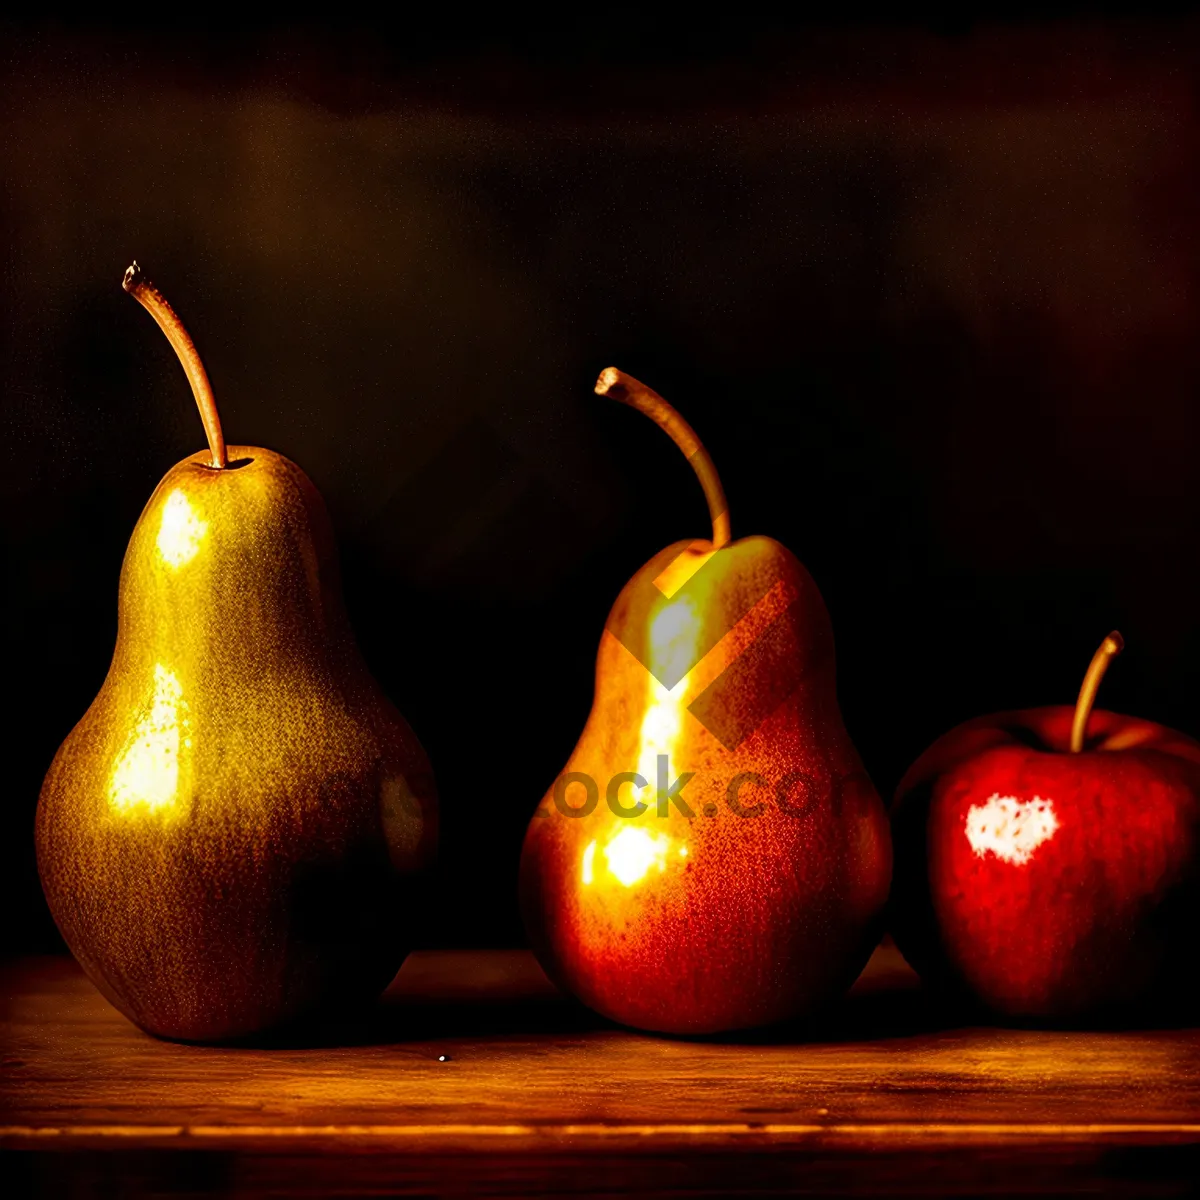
(927, 289)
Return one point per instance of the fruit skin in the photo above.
(227, 837)
(765, 917)
(1095, 915)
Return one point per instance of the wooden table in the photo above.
(475, 1075)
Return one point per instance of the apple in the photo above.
(1047, 860)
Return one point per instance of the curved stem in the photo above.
(637, 395)
(1109, 649)
(155, 303)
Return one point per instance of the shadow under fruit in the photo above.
(230, 837)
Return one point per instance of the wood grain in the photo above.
(474, 1072)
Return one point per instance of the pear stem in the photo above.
(156, 304)
(637, 395)
(1109, 649)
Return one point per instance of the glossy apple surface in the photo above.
(1045, 883)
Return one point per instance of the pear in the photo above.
(230, 837)
(713, 856)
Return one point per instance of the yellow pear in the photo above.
(230, 837)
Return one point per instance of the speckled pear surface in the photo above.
(750, 889)
(229, 837)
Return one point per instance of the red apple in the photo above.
(1047, 861)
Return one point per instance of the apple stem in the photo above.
(156, 304)
(637, 395)
(1109, 649)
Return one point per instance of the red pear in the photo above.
(713, 855)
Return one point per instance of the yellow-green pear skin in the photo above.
(233, 835)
